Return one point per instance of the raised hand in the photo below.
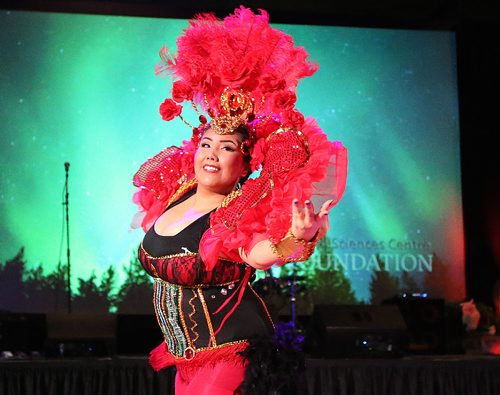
(306, 223)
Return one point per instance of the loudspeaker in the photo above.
(356, 331)
(137, 334)
(22, 333)
(80, 335)
(425, 320)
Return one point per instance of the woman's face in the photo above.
(219, 162)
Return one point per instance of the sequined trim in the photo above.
(166, 300)
(185, 187)
(183, 320)
(263, 304)
(302, 136)
(190, 316)
(181, 254)
(230, 197)
(226, 223)
(228, 344)
(197, 285)
(207, 317)
(158, 302)
(222, 345)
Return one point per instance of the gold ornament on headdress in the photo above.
(235, 108)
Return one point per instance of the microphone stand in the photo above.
(292, 296)
(66, 204)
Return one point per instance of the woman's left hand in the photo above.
(306, 223)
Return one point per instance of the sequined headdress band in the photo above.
(236, 108)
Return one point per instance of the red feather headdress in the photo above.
(239, 69)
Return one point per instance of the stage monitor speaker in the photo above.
(426, 323)
(22, 333)
(80, 335)
(137, 334)
(356, 331)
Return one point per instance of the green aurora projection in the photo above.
(81, 89)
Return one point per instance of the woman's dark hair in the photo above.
(244, 132)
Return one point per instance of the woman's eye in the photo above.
(205, 145)
(230, 149)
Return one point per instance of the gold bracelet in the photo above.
(292, 249)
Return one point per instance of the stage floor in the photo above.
(122, 375)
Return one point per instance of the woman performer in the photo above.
(208, 226)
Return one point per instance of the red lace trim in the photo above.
(188, 270)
